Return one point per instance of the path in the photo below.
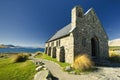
(104, 73)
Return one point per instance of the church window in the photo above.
(79, 14)
(93, 19)
(52, 44)
(58, 43)
(84, 42)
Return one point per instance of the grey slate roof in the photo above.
(65, 30)
(62, 32)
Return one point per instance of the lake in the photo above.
(20, 50)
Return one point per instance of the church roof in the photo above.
(62, 32)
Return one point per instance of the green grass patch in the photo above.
(19, 58)
(114, 57)
(16, 71)
(63, 65)
(114, 47)
(45, 56)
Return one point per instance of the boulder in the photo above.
(39, 68)
(43, 75)
(68, 68)
(39, 63)
(72, 72)
(45, 68)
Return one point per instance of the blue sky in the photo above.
(32, 22)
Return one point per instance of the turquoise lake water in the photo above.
(20, 50)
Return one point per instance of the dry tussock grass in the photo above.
(19, 58)
(83, 62)
(38, 53)
(114, 57)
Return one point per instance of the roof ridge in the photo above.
(62, 32)
(88, 11)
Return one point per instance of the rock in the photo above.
(72, 72)
(43, 75)
(68, 68)
(39, 68)
(118, 76)
(45, 68)
(39, 63)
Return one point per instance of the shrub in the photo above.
(83, 62)
(19, 58)
(26, 54)
(2, 55)
(114, 57)
(38, 53)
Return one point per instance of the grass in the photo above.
(19, 58)
(63, 64)
(83, 63)
(114, 57)
(38, 53)
(4, 55)
(2, 46)
(114, 47)
(45, 56)
(16, 71)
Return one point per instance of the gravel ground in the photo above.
(103, 73)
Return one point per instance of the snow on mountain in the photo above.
(115, 42)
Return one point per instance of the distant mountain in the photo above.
(13, 46)
(2, 46)
(6, 46)
(115, 42)
(10, 46)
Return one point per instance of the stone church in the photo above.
(84, 34)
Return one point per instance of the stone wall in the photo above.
(89, 27)
(67, 43)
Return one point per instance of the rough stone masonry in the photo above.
(84, 35)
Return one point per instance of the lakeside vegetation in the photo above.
(85, 65)
(2, 46)
(45, 56)
(114, 55)
(17, 70)
(83, 62)
(114, 47)
(17, 67)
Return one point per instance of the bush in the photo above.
(19, 58)
(83, 62)
(38, 53)
(114, 57)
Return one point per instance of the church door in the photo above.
(94, 47)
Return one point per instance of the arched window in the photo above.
(52, 44)
(83, 42)
(79, 14)
(58, 43)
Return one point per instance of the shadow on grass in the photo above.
(51, 76)
(107, 63)
(54, 78)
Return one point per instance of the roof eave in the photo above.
(58, 38)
